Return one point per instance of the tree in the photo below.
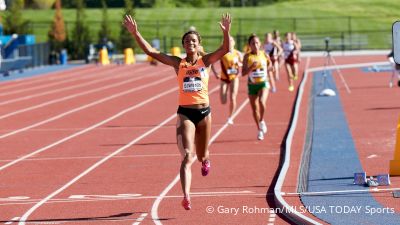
(81, 33)
(57, 33)
(105, 31)
(43, 4)
(13, 21)
(125, 38)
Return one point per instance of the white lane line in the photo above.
(50, 85)
(341, 192)
(279, 200)
(55, 129)
(70, 87)
(272, 217)
(91, 127)
(140, 219)
(73, 96)
(94, 166)
(154, 208)
(144, 156)
(92, 199)
(15, 219)
(83, 107)
(345, 66)
(55, 75)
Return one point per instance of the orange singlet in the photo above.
(193, 83)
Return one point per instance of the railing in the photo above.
(345, 31)
(39, 52)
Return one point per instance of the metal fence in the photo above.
(39, 52)
(345, 32)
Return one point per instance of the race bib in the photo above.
(230, 71)
(258, 76)
(203, 72)
(192, 84)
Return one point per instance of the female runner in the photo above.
(257, 65)
(274, 50)
(230, 65)
(290, 49)
(194, 114)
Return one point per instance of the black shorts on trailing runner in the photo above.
(194, 115)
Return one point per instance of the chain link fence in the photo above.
(345, 33)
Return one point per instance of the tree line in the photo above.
(78, 41)
(80, 38)
(151, 3)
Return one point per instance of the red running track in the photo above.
(96, 145)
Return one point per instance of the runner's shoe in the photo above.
(230, 121)
(186, 203)
(205, 167)
(260, 135)
(263, 127)
(291, 88)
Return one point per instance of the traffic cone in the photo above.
(176, 51)
(129, 57)
(104, 60)
(395, 163)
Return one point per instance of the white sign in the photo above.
(396, 41)
(2, 5)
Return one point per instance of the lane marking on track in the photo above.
(71, 87)
(128, 127)
(140, 219)
(91, 127)
(77, 199)
(48, 85)
(24, 217)
(154, 208)
(83, 107)
(145, 156)
(55, 75)
(279, 200)
(118, 196)
(343, 192)
(76, 95)
(272, 217)
(94, 166)
(15, 219)
(17, 198)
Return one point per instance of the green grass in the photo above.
(306, 17)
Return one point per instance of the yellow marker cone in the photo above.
(395, 163)
(176, 51)
(129, 57)
(103, 57)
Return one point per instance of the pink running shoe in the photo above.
(205, 167)
(186, 203)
